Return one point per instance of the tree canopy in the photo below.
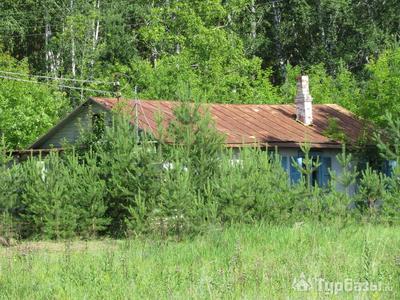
(27, 109)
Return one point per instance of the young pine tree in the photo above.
(87, 190)
(49, 209)
(130, 167)
(192, 131)
(8, 193)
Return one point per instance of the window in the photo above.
(42, 168)
(274, 155)
(319, 177)
(98, 124)
(388, 167)
(169, 166)
(236, 162)
(284, 162)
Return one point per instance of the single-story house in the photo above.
(283, 126)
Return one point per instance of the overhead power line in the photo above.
(51, 25)
(145, 117)
(20, 34)
(59, 85)
(58, 78)
(53, 32)
(59, 24)
(66, 8)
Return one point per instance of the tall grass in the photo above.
(241, 261)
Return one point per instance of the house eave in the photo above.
(289, 144)
(40, 141)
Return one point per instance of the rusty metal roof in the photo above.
(250, 124)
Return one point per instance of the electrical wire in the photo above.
(58, 78)
(145, 117)
(53, 32)
(59, 85)
(58, 25)
(20, 34)
(137, 102)
(63, 11)
(51, 25)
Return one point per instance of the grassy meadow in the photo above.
(241, 261)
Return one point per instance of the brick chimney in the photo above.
(303, 101)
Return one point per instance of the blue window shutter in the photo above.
(385, 168)
(323, 171)
(388, 166)
(284, 162)
(295, 175)
(392, 166)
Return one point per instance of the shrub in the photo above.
(254, 187)
(9, 203)
(131, 171)
(62, 197)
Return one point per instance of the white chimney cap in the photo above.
(303, 101)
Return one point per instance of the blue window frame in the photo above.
(323, 171)
(388, 166)
(284, 162)
(320, 176)
(295, 175)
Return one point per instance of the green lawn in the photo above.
(250, 262)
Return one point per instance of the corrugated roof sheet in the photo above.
(249, 124)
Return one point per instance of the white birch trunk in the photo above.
(278, 44)
(47, 34)
(96, 29)
(73, 59)
(52, 61)
(253, 20)
(154, 56)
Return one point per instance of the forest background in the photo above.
(54, 54)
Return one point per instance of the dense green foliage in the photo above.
(239, 262)
(382, 90)
(237, 51)
(27, 110)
